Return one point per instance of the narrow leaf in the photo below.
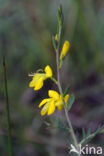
(83, 133)
(70, 101)
(60, 16)
(60, 125)
(66, 90)
(91, 136)
(89, 131)
(99, 130)
(54, 43)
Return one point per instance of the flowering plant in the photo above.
(60, 100)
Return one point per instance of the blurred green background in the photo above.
(26, 28)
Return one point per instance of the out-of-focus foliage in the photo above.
(26, 28)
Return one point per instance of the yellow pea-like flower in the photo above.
(38, 78)
(65, 49)
(54, 101)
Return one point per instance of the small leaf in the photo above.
(54, 43)
(83, 133)
(99, 130)
(70, 101)
(60, 125)
(89, 131)
(91, 136)
(66, 90)
(60, 16)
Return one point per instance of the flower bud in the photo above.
(65, 49)
(60, 16)
(56, 38)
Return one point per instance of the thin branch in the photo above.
(87, 138)
(7, 109)
(61, 92)
(92, 135)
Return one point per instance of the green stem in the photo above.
(61, 92)
(54, 80)
(7, 110)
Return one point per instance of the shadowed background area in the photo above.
(26, 28)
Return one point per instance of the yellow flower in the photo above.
(50, 104)
(38, 78)
(65, 49)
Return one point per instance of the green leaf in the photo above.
(70, 101)
(66, 90)
(83, 133)
(60, 16)
(87, 138)
(61, 126)
(99, 130)
(89, 131)
(54, 42)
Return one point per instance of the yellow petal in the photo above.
(53, 94)
(59, 103)
(65, 49)
(48, 71)
(35, 78)
(51, 108)
(45, 109)
(43, 102)
(32, 83)
(66, 98)
(39, 84)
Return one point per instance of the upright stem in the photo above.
(61, 92)
(7, 110)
